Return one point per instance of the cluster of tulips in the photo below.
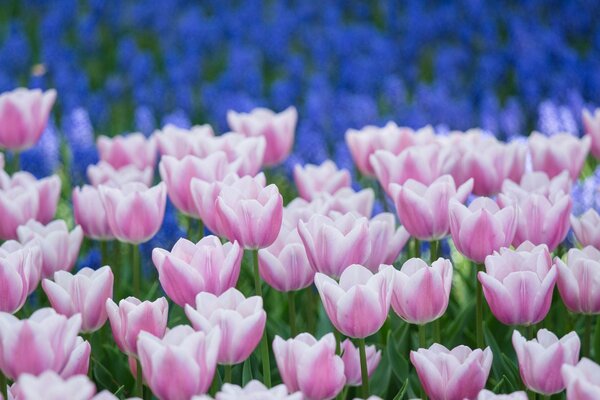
(324, 242)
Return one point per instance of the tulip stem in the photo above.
(422, 337)
(264, 345)
(200, 230)
(364, 373)
(227, 376)
(3, 386)
(479, 308)
(136, 269)
(437, 335)
(382, 197)
(16, 163)
(416, 248)
(257, 283)
(139, 380)
(434, 251)
(587, 335)
(292, 313)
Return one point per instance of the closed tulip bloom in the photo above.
(178, 142)
(579, 280)
(23, 117)
(48, 191)
(455, 374)
(132, 316)
(244, 154)
(284, 265)
(31, 254)
(181, 364)
(304, 362)
(334, 243)
(541, 359)
(85, 293)
(488, 395)
(241, 321)
(178, 174)
(582, 380)
(557, 153)
(591, 127)
(423, 209)
(538, 182)
(359, 304)
(90, 214)
(387, 241)
(254, 390)
(587, 228)
(351, 358)
(132, 149)
(17, 206)
(312, 180)
(104, 173)
(45, 341)
(518, 284)
(60, 247)
(278, 129)
(135, 212)
(347, 200)
(481, 228)
(416, 281)
(250, 213)
(51, 386)
(19, 274)
(190, 268)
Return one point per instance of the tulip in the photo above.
(481, 228)
(48, 191)
(333, 243)
(31, 253)
(45, 341)
(241, 322)
(351, 360)
(19, 275)
(386, 241)
(579, 280)
(591, 126)
(123, 150)
(518, 284)
(134, 211)
(89, 213)
(254, 390)
(132, 316)
(423, 210)
(23, 117)
(104, 173)
(51, 386)
(60, 247)
(455, 374)
(244, 154)
(538, 182)
(557, 153)
(415, 281)
(188, 269)
(85, 293)
(312, 180)
(582, 380)
(181, 364)
(177, 142)
(310, 365)
(359, 304)
(17, 206)
(541, 359)
(178, 174)
(587, 228)
(278, 129)
(487, 395)
(250, 213)
(363, 143)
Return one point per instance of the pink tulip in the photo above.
(347, 200)
(23, 117)
(134, 211)
(423, 210)
(250, 213)
(244, 154)
(557, 153)
(278, 129)
(582, 380)
(310, 365)
(45, 341)
(60, 247)
(481, 228)
(123, 150)
(181, 364)
(89, 213)
(336, 242)
(241, 321)
(391, 137)
(284, 265)
(32, 250)
(132, 316)
(487, 395)
(420, 163)
(538, 182)
(48, 191)
(541, 359)
(105, 174)
(18, 205)
(386, 241)
(254, 390)
(591, 126)
(518, 284)
(178, 174)
(177, 142)
(312, 180)
(51, 386)
(85, 293)
(19, 275)
(188, 269)
(455, 374)
(351, 358)
(587, 228)
(415, 281)
(579, 280)
(359, 304)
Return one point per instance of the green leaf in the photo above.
(380, 380)
(596, 344)
(398, 362)
(247, 372)
(402, 392)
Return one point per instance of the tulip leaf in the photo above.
(398, 362)
(380, 380)
(457, 326)
(247, 372)
(402, 392)
(513, 372)
(596, 345)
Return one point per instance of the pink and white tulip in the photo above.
(312, 180)
(178, 142)
(254, 390)
(557, 153)
(591, 126)
(488, 395)
(587, 228)
(132, 149)
(90, 214)
(104, 173)
(387, 241)
(48, 191)
(351, 358)
(19, 275)
(579, 280)
(29, 253)
(17, 206)
(538, 182)
(51, 386)
(582, 380)
(347, 200)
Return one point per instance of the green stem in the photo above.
(338, 341)
(416, 248)
(437, 336)
(139, 381)
(136, 270)
(257, 282)
(292, 313)
(16, 162)
(479, 308)
(587, 336)
(364, 373)
(264, 342)
(530, 333)
(228, 373)
(382, 197)
(104, 252)
(200, 230)
(422, 337)
(3, 386)
(434, 251)
(311, 310)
